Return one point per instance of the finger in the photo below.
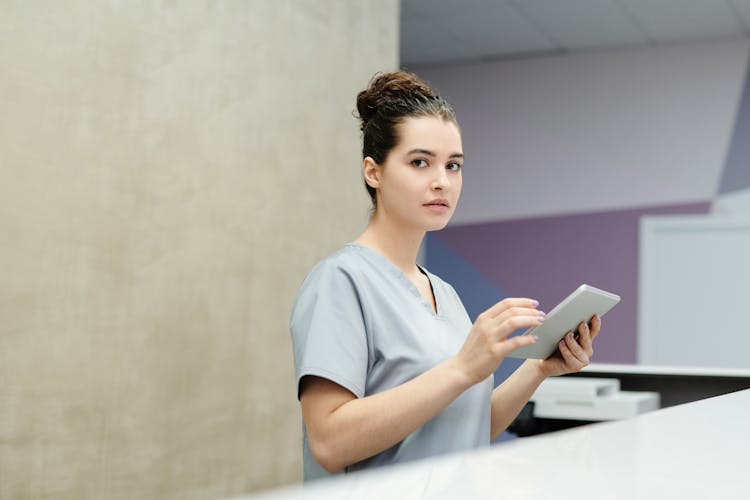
(519, 311)
(571, 362)
(575, 349)
(514, 323)
(507, 345)
(584, 338)
(511, 302)
(596, 325)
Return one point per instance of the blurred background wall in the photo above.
(566, 153)
(169, 171)
(564, 156)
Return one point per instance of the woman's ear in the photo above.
(371, 172)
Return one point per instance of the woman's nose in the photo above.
(441, 180)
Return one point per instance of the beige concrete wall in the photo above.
(169, 171)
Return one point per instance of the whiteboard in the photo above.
(694, 291)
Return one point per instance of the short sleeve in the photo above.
(328, 329)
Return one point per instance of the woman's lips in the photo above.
(438, 205)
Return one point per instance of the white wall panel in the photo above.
(693, 281)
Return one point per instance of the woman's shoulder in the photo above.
(347, 258)
(347, 262)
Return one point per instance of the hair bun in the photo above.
(387, 88)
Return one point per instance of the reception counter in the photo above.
(696, 450)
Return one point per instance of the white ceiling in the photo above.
(448, 31)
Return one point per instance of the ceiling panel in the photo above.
(501, 30)
(578, 24)
(742, 9)
(423, 41)
(446, 31)
(443, 8)
(672, 20)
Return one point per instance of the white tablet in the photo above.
(579, 306)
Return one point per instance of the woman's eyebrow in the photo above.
(431, 153)
(421, 151)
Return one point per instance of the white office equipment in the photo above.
(613, 407)
(586, 387)
(593, 399)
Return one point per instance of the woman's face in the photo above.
(420, 180)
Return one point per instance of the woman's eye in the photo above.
(453, 166)
(419, 163)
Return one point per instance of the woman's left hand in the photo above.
(573, 353)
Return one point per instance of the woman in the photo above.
(388, 363)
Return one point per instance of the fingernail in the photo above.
(535, 337)
(541, 318)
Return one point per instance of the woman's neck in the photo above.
(398, 244)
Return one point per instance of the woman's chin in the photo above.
(437, 226)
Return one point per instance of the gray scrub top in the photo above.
(361, 323)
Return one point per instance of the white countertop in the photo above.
(699, 450)
(665, 370)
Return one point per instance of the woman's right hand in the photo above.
(487, 343)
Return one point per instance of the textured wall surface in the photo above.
(169, 171)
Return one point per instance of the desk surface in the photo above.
(665, 370)
(694, 451)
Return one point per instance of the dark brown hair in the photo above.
(387, 100)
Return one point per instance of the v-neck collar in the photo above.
(399, 274)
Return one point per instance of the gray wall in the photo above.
(169, 171)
